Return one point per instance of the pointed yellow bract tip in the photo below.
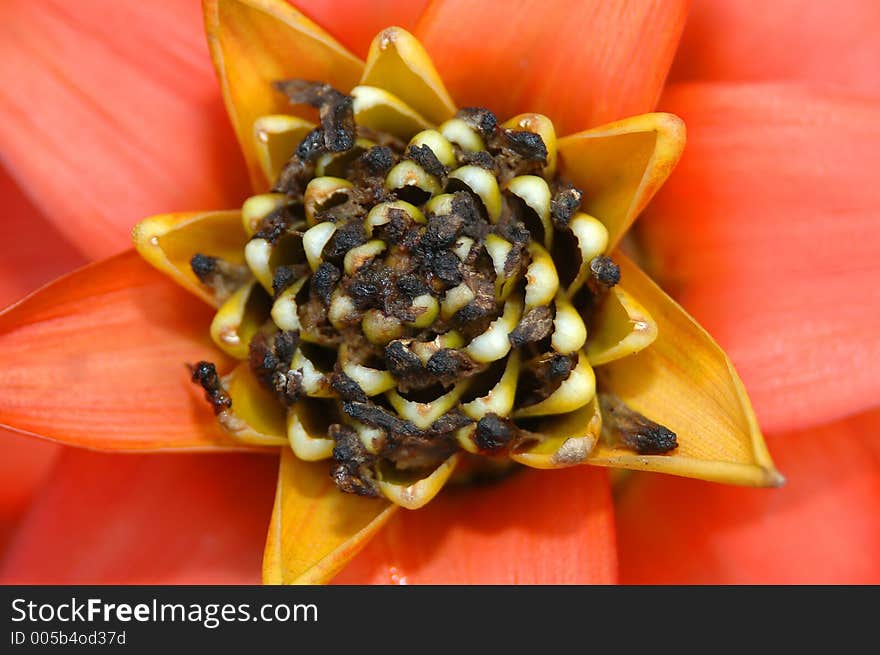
(169, 242)
(398, 63)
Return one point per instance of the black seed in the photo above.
(324, 281)
(378, 159)
(311, 146)
(337, 119)
(335, 109)
(620, 423)
(449, 363)
(203, 266)
(565, 203)
(347, 388)
(479, 158)
(274, 225)
(348, 236)
(542, 376)
(205, 374)
(425, 157)
(449, 422)
(527, 145)
(534, 326)
(480, 119)
(465, 205)
(353, 472)
(395, 231)
(288, 386)
(401, 361)
(283, 278)
(379, 417)
(605, 271)
(366, 287)
(493, 433)
(442, 232)
(411, 286)
(560, 367)
(445, 266)
(285, 345)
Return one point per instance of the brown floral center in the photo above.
(422, 292)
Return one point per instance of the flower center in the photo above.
(423, 293)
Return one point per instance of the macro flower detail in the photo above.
(426, 294)
(414, 295)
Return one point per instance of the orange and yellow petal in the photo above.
(767, 234)
(146, 519)
(582, 64)
(536, 527)
(821, 528)
(97, 359)
(111, 114)
(256, 42)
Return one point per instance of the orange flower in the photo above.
(125, 401)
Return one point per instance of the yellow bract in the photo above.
(413, 494)
(620, 166)
(276, 136)
(621, 327)
(685, 382)
(398, 63)
(384, 112)
(169, 241)
(315, 530)
(256, 417)
(564, 440)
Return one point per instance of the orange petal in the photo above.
(535, 527)
(23, 468)
(354, 23)
(581, 64)
(767, 233)
(316, 529)
(823, 527)
(685, 382)
(814, 42)
(111, 114)
(24, 266)
(25, 462)
(96, 359)
(620, 166)
(146, 519)
(255, 42)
